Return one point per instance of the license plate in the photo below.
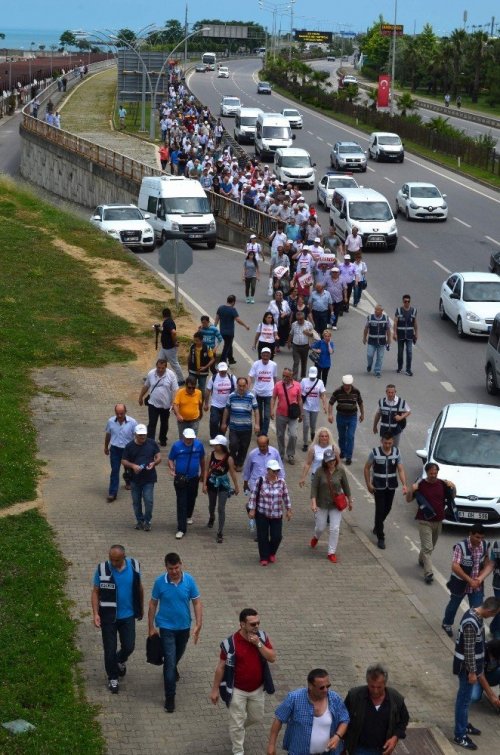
(195, 235)
(473, 515)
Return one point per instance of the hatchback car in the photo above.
(348, 156)
(421, 201)
(125, 223)
(471, 301)
(229, 106)
(464, 441)
(263, 87)
(293, 117)
(349, 80)
(223, 72)
(329, 183)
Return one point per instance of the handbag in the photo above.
(146, 398)
(363, 284)
(339, 500)
(181, 481)
(293, 409)
(314, 357)
(154, 650)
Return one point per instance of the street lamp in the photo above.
(282, 9)
(393, 68)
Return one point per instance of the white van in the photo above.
(386, 146)
(272, 132)
(370, 212)
(178, 209)
(292, 164)
(245, 123)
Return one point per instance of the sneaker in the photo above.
(139, 526)
(179, 535)
(428, 579)
(291, 460)
(210, 523)
(272, 559)
(305, 447)
(448, 629)
(332, 558)
(314, 542)
(122, 669)
(147, 527)
(399, 370)
(472, 730)
(263, 562)
(409, 373)
(348, 462)
(114, 686)
(219, 537)
(465, 742)
(111, 498)
(190, 520)
(252, 300)
(247, 300)
(368, 369)
(378, 375)
(334, 327)
(170, 703)
(381, 544)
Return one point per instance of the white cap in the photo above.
(273, 464)
(219, 440)
(317, 240)
(335, 270)
(347, 256)
(347, 379)
(253, 236)
(189, 433)
(266, 349)
(313, 372)
(222, 366)
(141, 430)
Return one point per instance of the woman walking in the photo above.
(266, 334)
(268, 500)
(324, 348)
(217, 484)
(330, 494)
(250, 276)
(322, 441)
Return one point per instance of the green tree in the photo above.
(372, 96)
(405, 102)
(67, 39)
(477, 50)
(376, 48)
(125, 37)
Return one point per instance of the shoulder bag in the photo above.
(293, 409)
(146, 398)
(339, 500)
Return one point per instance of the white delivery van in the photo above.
(370, 212)
(386, 146)
(179, 209)
(272, 132)
(293, 164)
(245, 122)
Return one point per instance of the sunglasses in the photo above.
(324, 686)
(254, 623)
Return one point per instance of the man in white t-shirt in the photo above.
(254, 246)
(218, 387)
(313, 394)
(262, 376)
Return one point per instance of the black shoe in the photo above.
(465, 742)
(399, 370)
(231, 361)
(409, 373)
(472, 730)
(428, 579)
(122, 669)
(381, 543)
(139, 526)
(342, 456)
(147, 527)
(170, 703)
(163, 443)
(348, 462)
(368, 369)
(210, 523)
(305, 447)
(447, 629)
(114, 686)
(219, 537)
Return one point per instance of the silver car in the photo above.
(348, 156)
(229, 106)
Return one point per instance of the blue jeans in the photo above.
(377, 353)
(493, 679)
(115, 459)
(186, 499)
(201, 380)
(356, 297)
(216, 415)
(495, 624)
(269, 535)
(264, 404)
(174, 643)
(463, 701)
(346, 426)
(475, 599)
(402, 345)
(173, 362)
(125, 629)
(140, 493)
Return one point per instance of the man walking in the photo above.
(348, 400)
(200, 360)
(186, 463)
(381, 472)
(169, 615)
(240, 412)
(262, 376)
(392, 413)
(161, 386)
(218, 390)
(379, 716)
(169, 344)
(469, 568)
(119, 431)
(287, 407)
(142, 456)
(299, 339)
(256, 463)
(313, 394)
(227, 315)
(211, 336)
(468, 665)
(243, 676)
(188, 406)
(377, 333)
(316, 718)
(321, 305)
(117, 601)
(405, 332)
(432, 496)
(338, 292)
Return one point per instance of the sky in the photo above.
(444, 16)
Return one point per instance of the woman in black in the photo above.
(217, 484)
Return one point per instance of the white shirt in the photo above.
(252, 246)
(221, 387)
(267, 332)
(353, 243)
(264, 376)
(320, 734)
(161, 389)
(121, 433)
(312, 402)
(273, 308)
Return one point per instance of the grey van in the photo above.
(492, 366)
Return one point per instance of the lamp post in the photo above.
(393, 67)
(275, 9)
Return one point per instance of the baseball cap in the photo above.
(313, 372)
(219, 440)
(335, 270)
(265, 349)
(141, 430)
(273, 464)
(328, 455)
(253, 236)
(222, 366)
(317, 240)
(189, 433)
(347, 379)
(347, 256)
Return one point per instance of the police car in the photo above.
(329, 183)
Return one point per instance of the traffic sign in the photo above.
(175, 256)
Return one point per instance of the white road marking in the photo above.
(442, 267)
(431, 367)
(389, 179)
(371, 169)
(493, 241)
(410, 242)
(320, 138)
(448, 386)
(462, 222)
(310, 132)
(329, 144)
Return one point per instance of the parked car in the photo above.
(293, 117)
(263, 87)
(125, 223)
(348, 79)
(471, 301)
(421, 201)
(229, 106)
(495, 263)
(348, 156)
(223, 72)
(330, 182)
(492, 365)
(331, 58)
(464, 441)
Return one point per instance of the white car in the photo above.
(348, 80)
(421, 201)
(465, 442)
(223, 72)
(330, 182)
(125, 223)
(229, 106)
(293, 117)
(471, 301)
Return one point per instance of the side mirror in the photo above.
(422, 454)
(444, 196)
(314, 165)
(146, 216)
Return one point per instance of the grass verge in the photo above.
(37, 637)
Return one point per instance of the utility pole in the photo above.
(393, 70)
(185, 37)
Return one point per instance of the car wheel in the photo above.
(442, 313)
(396, 210)
(460, 328)
(163, 237)
(491, 383)
(402, 159)
(211, 244)
(363, 170)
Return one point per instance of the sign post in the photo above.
(175, 257)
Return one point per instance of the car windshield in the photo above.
(425, 192)
(350, 149)
(300, 161)
(468, 447)
(185, 205)
(389, 140)
(482, 291)
(264, 84)
(369, 211)
(276, 132)
(291, 113)
(249, 120)
(122, 213)
(342, 183)
(231, 101)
